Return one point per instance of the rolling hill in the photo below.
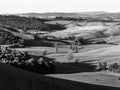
(9, 36)
(109, 54)
(12, 78)
(63, 14)
(108, 31)
(16, 32)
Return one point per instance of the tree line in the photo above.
(28, 23)
(87, 19)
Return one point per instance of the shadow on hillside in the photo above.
(59, 41)
(69, 68)
(18, 79)
(38, 43)
(44, 43)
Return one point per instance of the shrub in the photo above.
(77, 61)
(114, 68)
(7, 38)
(23, 60)
(70, 56)
(101, 66)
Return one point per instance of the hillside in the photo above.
(63, 14)
(16, 32)
(100, 15)
(91, 31)
(17, 79)
(10, 35)
(28, 23)
(110, 54)
(91, 26)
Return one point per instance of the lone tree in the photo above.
(75, 45)
(70, 56)
(56, 47)
(99, 66)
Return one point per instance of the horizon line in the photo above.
(59, 12)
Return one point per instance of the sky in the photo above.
(41, 6)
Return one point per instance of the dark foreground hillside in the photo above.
(12, 78)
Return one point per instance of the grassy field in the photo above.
(91, 55)
(84, 70)
(16, 79)
(72, 75)
(96, 78)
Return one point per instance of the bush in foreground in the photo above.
(23, 60)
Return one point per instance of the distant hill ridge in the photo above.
(12, 78)
(74, 14)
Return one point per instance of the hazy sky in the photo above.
(23, 6)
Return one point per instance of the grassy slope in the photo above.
(107, 52)
(90, 30)
(78, 72)
(91, 53)
(115, 40)
(15, 79)
(80, 31)
(16, 33)
(97, 78)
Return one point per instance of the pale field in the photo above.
(110, 54)
(89, 55)
(97, 78)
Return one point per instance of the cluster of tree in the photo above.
(88, 19)
(115, 67)
(7, 38)
(81, 41)
(70, 56)
(102, 66)
(26, 23)
(69, 18)
(25, 61)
